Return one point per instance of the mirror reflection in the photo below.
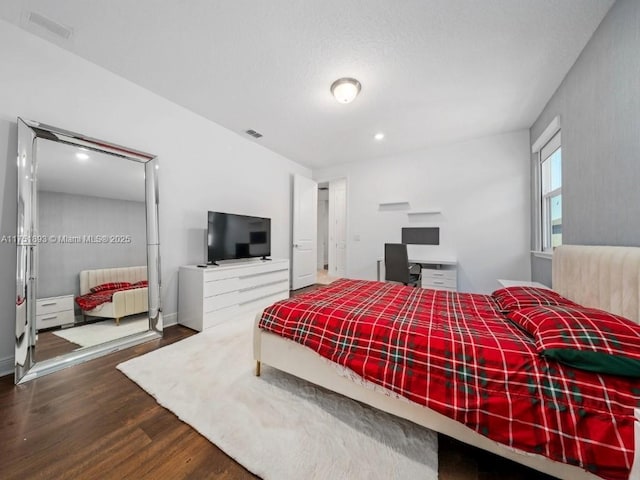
(91, 259)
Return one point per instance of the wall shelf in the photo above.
(393, 206)
(431, 211)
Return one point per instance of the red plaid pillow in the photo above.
(141, 283)
(584, 338)
(513, 298)
(109, 286)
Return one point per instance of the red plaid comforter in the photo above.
(90, 301)
(456, 354)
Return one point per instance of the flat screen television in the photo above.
(231, 237)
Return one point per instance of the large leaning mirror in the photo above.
(88, 263)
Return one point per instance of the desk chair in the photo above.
(397, 267)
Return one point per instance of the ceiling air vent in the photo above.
(51, 26)
(253, 133)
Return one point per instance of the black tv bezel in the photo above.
(211, 261)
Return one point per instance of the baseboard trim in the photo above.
(169, 319)
(7, 366)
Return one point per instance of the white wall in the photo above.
(202, 165)
(61, 214)
(482, 189)
(599, 107)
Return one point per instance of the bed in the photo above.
(125, 292)
(565, 429)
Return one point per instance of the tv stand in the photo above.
(210, 296)
(265, 259)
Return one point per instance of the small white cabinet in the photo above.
(211, 295)
(443, 278)
(54, 311)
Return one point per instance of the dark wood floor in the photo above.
(90, 421)
(50, 346)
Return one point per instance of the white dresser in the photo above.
(443, 278)
(211, 295)
(54, 311)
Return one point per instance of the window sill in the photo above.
(547, 255)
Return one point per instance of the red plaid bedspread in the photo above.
(90, 301)
(456, 354)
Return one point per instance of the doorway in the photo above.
(332, 230)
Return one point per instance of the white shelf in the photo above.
(433, 211)
(393, 206)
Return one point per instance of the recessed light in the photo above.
(379, 136)
(82, 156)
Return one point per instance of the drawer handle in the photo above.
(49, 318)
(438, 283)
(438, 274)
(49, 304)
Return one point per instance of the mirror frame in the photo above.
(27, 244)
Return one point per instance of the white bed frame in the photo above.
(126, 302)
(602, 277)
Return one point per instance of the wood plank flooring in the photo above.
(50, 346)
(90, 421)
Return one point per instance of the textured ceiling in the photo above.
(432, 71)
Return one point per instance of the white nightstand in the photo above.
(520, 283)
(54, 311)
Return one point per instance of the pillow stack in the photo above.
(585, 338)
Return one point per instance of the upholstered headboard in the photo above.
(91, 278)
(603, 277)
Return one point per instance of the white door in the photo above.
(305, 210)
(337, 227)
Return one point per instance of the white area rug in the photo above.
(104, 331)
(277, 426)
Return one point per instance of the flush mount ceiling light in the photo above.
(82, 156)
(379, 136)
(345, 89)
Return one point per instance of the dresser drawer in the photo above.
(54, 304)
(220, 316)
(217, 302)
(54, 319)
(217, 287)
(264, 279)
(247, 296)
(439, 283)
(439, 274)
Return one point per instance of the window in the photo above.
(551, 193)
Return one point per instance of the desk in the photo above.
(441, 273)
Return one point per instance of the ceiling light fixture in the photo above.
(379, 136)
(82, 156)
(345, 89)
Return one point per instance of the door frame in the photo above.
(347, 229)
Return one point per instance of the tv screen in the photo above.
(232, 236)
